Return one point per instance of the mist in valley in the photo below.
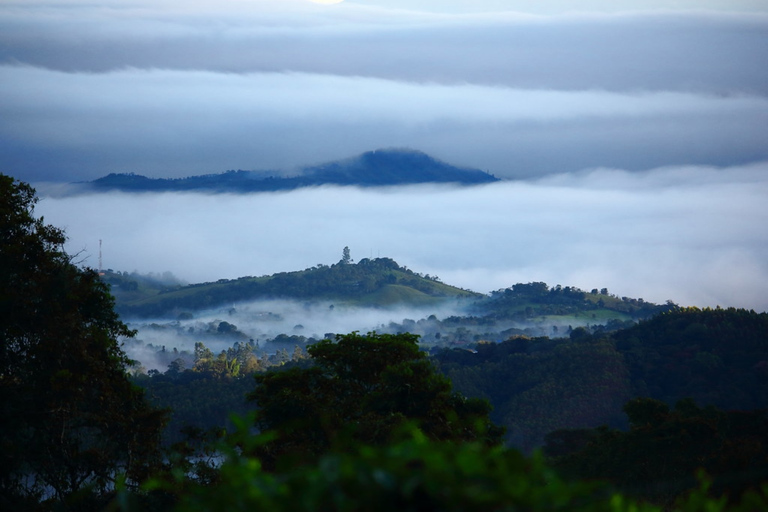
(262, 321)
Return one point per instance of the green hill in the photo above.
(378, 282)
(526, 302)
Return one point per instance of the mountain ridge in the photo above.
(378, 168)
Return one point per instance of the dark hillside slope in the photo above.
(715, 356)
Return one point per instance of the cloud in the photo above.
(179, 123)
(660, 51)
(692, 235)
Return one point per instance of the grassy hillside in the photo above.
(370, 282)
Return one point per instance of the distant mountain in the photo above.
(384, 167)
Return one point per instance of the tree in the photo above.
(71, 418)
(346, 259)
(363, 388)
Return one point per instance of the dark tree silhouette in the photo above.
(71, 419)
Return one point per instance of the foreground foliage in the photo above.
(414, 474)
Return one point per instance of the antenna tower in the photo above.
(100, 265)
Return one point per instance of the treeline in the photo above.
(658, 458)
(527, 300)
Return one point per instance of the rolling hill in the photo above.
(378, 282)
(383, 283)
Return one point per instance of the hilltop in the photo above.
(384, 167)
(378, 282)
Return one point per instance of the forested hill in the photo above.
(370, 282)
(382, 282)
(524, 301)
(375, 168)
(716, 357)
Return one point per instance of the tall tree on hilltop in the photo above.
(346, 258)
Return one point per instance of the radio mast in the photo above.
(101, 266)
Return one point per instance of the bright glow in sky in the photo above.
(569, 6)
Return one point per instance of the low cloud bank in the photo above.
(694, 235)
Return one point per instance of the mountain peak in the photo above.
(381, 167)
(395, 166)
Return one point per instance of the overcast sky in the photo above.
(638, 131)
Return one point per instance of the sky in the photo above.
(633, 135)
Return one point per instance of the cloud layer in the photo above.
(691, 234)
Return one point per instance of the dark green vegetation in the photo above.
(537, 300)
(715, 356)
(203, 389)
(385, 167)
(71, 419)
(569, 386)
(536, 385)
(365, 429)
(379, 282)
(416, 475)
(367, 422)
(660, 454)
(362, 389)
